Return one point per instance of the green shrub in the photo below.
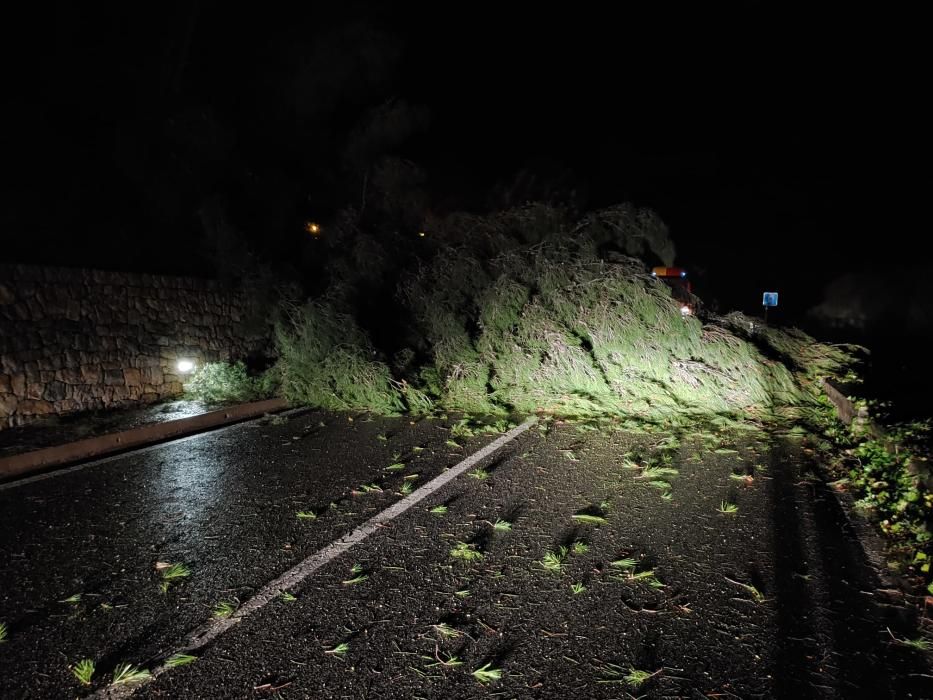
(888, 483)
(219, 382)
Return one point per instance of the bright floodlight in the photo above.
(685, 310)
(185, 366)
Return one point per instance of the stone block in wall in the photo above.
(128, 347)
(73, 310)
(67, 406)
(91, 374)
(20, 343)
(34, 309)
(8, 404)
(92, 390)
(21, 312)
(113, 377)
(54, 391)
(34, 390)
(35, 407)
(6, 385)
(46, 338)
(18, 382)
(149, 397)
(153, 375)
(9, 364)
(46, 376)
(69, 375)
(132, 376)
(32, 372)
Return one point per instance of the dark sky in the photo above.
(770, 138)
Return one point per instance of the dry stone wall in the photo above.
(75, 340)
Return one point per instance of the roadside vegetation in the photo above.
(220, 382)
(887, 468)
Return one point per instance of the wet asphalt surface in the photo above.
(775, 600)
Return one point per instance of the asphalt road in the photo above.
(777, 599)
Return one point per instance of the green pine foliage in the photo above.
(528, 310)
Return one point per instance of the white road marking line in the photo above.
(212, 629)
(141, 450)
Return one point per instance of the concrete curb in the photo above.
(847, 411)
(28, 462)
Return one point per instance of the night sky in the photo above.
(770, 139)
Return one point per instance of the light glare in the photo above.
(185, 366)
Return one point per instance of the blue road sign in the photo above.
(769, 299)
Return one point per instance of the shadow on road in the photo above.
(832, 632)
